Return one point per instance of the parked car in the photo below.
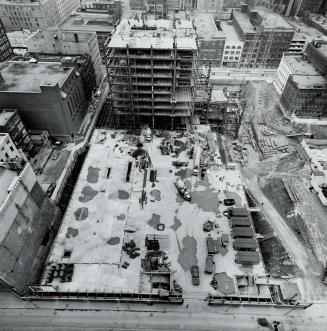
(210, 265)
(229, 202)
(195, 275)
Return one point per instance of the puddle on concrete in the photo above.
(71, 233)
(188, 184)
(177, 224)
(87, 194)
(154, 221)
(156, 194)
(206, 200)
(187, 256)
(121, 217)
(93, 175)
(81, 214)
(223, 250)
(184, 173)
(179, 197)
(113, 241)
(236, 197)
(123, 195)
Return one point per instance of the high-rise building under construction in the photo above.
(151, 66)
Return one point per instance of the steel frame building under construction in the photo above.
(152, 68)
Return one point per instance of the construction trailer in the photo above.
(242, 232)
(151, 67)
(239, 212)
(245, 244)
(247, 258)
(240, 221)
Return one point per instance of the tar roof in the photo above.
(87, 22)
(5, 115)
(308, 82)
(230, 31)
(206, 27)
(300, 66)
(156, 33)
(27, 77)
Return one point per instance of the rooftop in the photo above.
(157, 33)
(87, 22)
(206, 27)
(230, 31)
(319, 19)
(307, 82)
(272, 20)
(5, 115)
(299, 65)
(27, 77)
(303, 31)
(6, 178)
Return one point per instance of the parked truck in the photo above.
(182, 189)
(196, 160)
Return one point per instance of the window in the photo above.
(11, 148)
(6, 155)
(67, 254)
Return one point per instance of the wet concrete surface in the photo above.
(123, 195)
(207, 200)
(154, 221)
(71, 233)
(81, 214)
(87, 194)
(121, 217)
(202, 183)
(93, 175)
(113, 241)
(236, 197)
(187, 256)
(156, 194)
(184, 173)
(177, 224)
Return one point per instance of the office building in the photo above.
(34, 15)
(11, 123)
(150, 67)
(159, 8)
(8, 150)
(211, 40)
(137, 4)
(264, 41)
(48, 96)
(55, 41)
(6, 52)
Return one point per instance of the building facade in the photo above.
(11, 123)
(8, 150)
(316, 51)
(27, 216)
(47, 96)
(211, 40)
(6, 52)
(33, 15)
(159, 8)
(137, 4)
(151, 72)
(264, 43)
(55, 41)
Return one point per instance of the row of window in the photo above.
(233, 47)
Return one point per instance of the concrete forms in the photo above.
(151, 68)
(11, 123)
(27, 217)
(6, 52)
(55, 41)
(47, 96)
(33, 15)
(274, 38)
(211, 40)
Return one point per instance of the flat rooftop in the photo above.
(307, 82)
(6, 178)
(303, 31)
(66, 37)
(27, 77)
(272, 20)
(300, 66)
(105, 212)
(87, 22)
(319, 19)
(5, 116)
(206, 27)
(159, 34)
(230, 31)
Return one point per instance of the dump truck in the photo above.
(182, 189)
(196, 160)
